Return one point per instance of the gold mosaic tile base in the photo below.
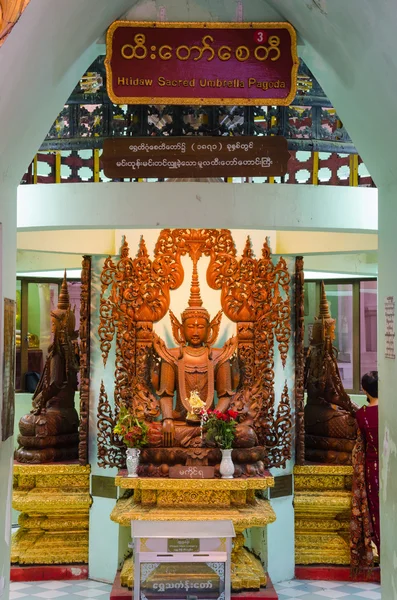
(54, 502)
(322, 514)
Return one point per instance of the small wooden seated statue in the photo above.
(49, 433)
(330, 426)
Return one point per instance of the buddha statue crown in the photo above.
(324, 325)
(195, 308)
(63, 314)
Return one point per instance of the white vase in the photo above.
(226, 467)
(132, 461)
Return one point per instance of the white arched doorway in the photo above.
(351, 49)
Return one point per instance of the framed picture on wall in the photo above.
(8, 409)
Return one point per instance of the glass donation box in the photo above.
(187, 560)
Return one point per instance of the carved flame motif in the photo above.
(254, 294)
(135, 293)
(110, 448)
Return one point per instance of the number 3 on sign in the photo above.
(260, 36)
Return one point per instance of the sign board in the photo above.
(201, 63)
(390, 350)
(103, 487)
(192, 472)
(197, 564)
(282, 486)
(183, 545)
(190, 157)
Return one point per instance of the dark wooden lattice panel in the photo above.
(336, 165)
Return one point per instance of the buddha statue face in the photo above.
(323, 330)
(195, 330)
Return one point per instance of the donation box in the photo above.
(187, 560)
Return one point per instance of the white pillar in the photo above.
(387, 286)
(8, 216)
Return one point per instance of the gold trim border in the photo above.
(195, 100)
(51, 469)
(323, 470)
(159, 484)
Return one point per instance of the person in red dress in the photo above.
(367, 420)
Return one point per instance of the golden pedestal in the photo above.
(197, 500)
(54, 502)
(322, 514)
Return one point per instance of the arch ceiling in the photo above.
(349, 46)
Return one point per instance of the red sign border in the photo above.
(194, 100)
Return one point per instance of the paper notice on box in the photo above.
(390, 351)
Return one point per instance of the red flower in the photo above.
(233, 414)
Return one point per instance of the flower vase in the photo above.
(226, 467)
(132, 461)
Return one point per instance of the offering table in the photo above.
(164, 499)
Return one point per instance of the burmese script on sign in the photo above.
(183, 545)
(390, 350)
(248, 156)
(201, 63)
(192, 472)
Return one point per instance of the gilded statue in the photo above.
(195, 365)
(330, 426)
(49, 432)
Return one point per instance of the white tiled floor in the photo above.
(66, 590)
(288, 590)
(333, 590)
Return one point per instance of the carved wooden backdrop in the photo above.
(85, 313)
(254, 293)
(299, 360)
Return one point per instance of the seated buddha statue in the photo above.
(330, 426)
(194, 366)
(49, 432)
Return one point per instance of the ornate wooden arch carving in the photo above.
(254, 292)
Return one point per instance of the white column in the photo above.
(7, 290)
(387, 393)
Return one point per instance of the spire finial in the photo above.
(195, 300)
(63, 299)
(324, 312)
(195, 308)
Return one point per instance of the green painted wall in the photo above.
(34, 309)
